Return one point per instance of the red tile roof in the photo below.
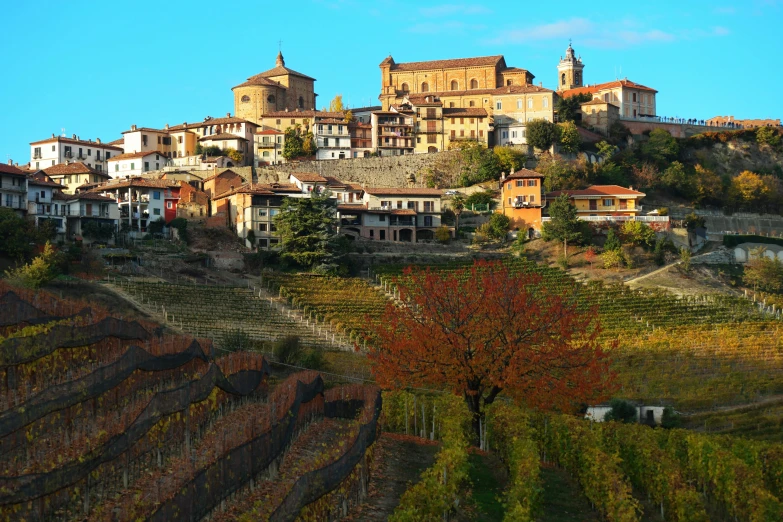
(87, 143)
(309, 177)
(89, 196)
(479, 61)
(351, 206)
(228, 171)
(393, 191)
(524, 173)
(222, 136)
(592, 89)
(210, 121)
(597, 190)
(404, 212)
(270, 131)
(118, 142)
(131, 155)
(145, 129)
(136, 182)
(72, 168)
(260, 80)
(280, 70)
(10, 169)
(261, 189)
(44, 183)
(452, 112)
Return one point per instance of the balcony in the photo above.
(333, 132)
(37, 155)
(68, 154)
(402, 222)
(526, 204)
(13, 188)
(268, 145)
(350, 221)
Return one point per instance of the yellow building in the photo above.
(462, 82)
(602, 200)
(274, 90)
(517, 105)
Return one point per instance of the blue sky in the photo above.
(95, 68)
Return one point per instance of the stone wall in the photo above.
(385, 171)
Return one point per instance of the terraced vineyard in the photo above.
(214, 311)
(106, 419)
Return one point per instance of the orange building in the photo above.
(522, 199)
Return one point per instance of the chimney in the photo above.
(133, 127)
(228, 115)
(11, 162)
(540, 84)
(502, 176)
(52, 135)
(98, 141)
(166, 126)
(74, 136)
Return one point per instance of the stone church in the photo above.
(277, 89)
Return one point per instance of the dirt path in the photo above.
(648, 274)
(398, 463)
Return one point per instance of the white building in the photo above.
(308, 182)
(136, 163)
(46, 202)
(332, 139)
(59, 149)
(86, 207)
(13, 188)
(142, 201)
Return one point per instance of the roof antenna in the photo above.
(63, 131)
(280, 46)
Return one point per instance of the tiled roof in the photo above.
(260, 189)
(44, 183)
(464, 111)
(303, 114)
(351, 206)
(87, 143)
(390, 191)
(136, 182)
(403, 212)
(228, 171)
(598, 190)
(424, 99)
(309, 177)
(118, 142)
(592, 89)
(479, 61)
(280, 70)
(270, 131)
(597, 101)
(222, 136)
(371, 108)
(92, 196)
(131, 155)
(145, 129)
(260, 80)
(10, 169)
(498, 91)
(61, 196)
(524, 173)
(72, 168)
(211, 121)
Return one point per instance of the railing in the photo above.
(13, 188)
(402, 223)
(37, 156)
(350, 222)
(526, 204)
(332, 133)
(614, 219)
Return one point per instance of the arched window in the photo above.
(405, 88)
(301, 102)
(454, 85)
(530, 103)
(270, 98)
(562, 79)
(474, 83)
(425, 87)
(245, 98)
(546, 103)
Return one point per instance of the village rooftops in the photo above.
(297, 113)
(136, 182)
(132, 155)
(261, 189)
(89, 196)
(524, 174)
(460, 112)
(597, 191)
(10, 169)
(308, 177)
(76, 141)
(266, 132)
(592, 89)
(478, 61)
(394, 191)
(38, 182)
(73, 168)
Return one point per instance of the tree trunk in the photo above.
(565, 248)
(473, 403)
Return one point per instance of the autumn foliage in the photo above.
(484, 330)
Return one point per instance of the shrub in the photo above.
(236, 340)
(498, 226)
(670, 418)
(685, 257)
(612, 241)
(638, 233)
(288, 350)
(313, 359)
(659, 253)
(41, 270)
(612, 258)
(485, 198)
(443, 235)
(768, 136)
(621, 411)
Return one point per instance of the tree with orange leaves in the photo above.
(484, 330)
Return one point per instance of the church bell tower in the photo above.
(569, 70)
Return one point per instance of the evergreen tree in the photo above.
(564, 225)
(541, 134)
(307, 228)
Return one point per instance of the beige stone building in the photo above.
(598, 115)
(274, 90)
(460, 82)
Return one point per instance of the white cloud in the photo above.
(454, 9)
(598, 34)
